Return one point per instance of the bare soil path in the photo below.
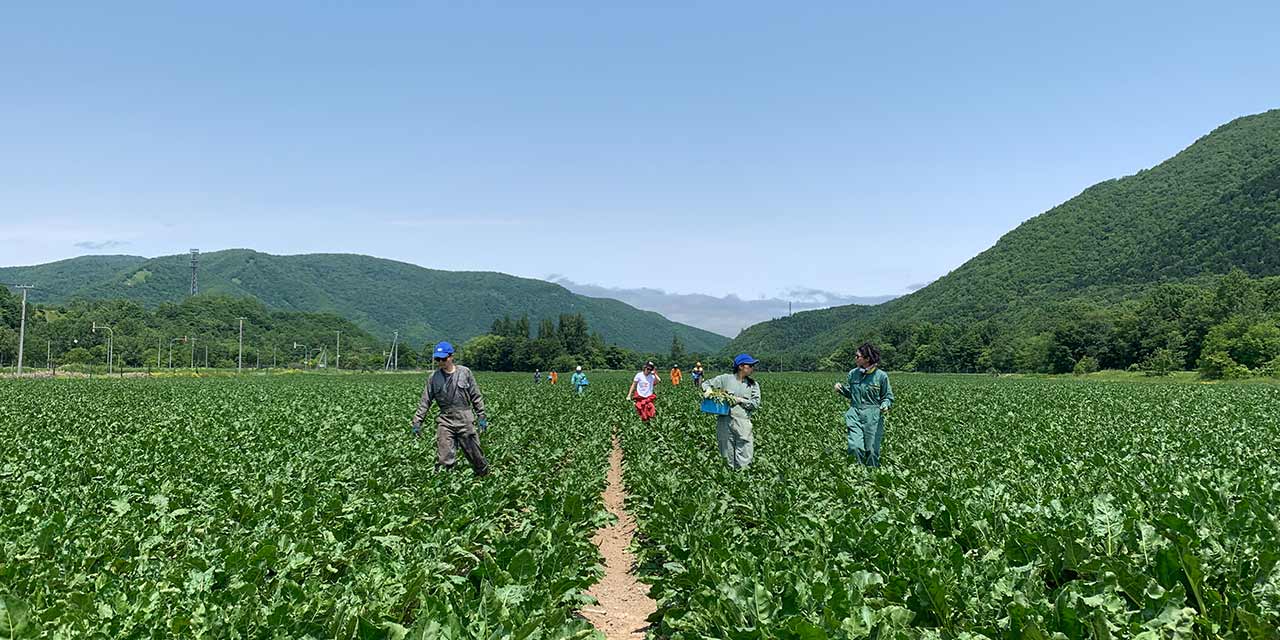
(625, 604)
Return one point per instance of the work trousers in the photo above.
(864, 427)
(449, 437)
(737, 445)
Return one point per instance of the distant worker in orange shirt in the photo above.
(675, 375)
(554, 377)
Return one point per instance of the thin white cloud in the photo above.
(101, 245)
(726, 315)
(455, 221)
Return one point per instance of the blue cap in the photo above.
(742, 359)
(443, 350)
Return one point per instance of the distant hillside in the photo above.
(379, 295)
(726, 316)
(1213, 207)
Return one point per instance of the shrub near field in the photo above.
(1006, 509)
(296, 507)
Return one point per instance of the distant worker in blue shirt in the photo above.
(579, 380)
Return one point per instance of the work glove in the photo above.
(417, 430)
(839, 387)
(707, 394)
(483, 424)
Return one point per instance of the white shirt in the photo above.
(644, 384)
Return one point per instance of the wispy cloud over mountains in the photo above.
(101, 245)
(723, 315)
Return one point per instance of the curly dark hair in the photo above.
(870, 352)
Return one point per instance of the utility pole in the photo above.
(48, 356)
(337, 359)
(305, 353)
(193, 353)
(273, 357)
(393, 358)
(240, 358)
(111, 338)
(22, 328)
(182, 339)
(158, 340)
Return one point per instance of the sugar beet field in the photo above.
(299, 506)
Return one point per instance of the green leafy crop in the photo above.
(288, 508)
(1005, 509)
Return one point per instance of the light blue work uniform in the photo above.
(579, 381)
(733, 432)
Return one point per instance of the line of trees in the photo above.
(62, 334)
(59, 335)
(559, 346)
(1228, 327)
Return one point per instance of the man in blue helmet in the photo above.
(454, 388)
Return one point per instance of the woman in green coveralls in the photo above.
(733, 432)
(869, 399)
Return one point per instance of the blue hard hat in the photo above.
(443, 350)
(742, 359)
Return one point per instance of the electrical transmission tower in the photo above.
(195, 267)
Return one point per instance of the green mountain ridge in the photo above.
(377, 294)
(1211, 208)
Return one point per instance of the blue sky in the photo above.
(613, 145)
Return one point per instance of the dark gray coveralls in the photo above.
(460, 403)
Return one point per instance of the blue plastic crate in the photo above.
(714, 407)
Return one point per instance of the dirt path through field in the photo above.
(625, 604)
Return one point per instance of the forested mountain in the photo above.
(1120, 248)
(379, 295)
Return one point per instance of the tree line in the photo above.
(203, 331)
(199, 331)
(560, 345)
(1224, 327)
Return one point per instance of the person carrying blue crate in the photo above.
(733, 431)
(870, 397)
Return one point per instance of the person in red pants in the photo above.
(644, 391)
